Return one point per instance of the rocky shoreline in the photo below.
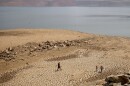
(11, 52)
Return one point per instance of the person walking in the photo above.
(101, 69)
(96, 68)
(58, 66)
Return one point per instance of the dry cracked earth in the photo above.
(35, 64)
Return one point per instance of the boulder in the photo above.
(62, 45)
(47, 43)
(7, 52)
(123, 79)
(112, 84)
(55, 46)
(112, 79)
(10, 49)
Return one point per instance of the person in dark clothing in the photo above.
(96, 68)
(101, 68)
(58, 66)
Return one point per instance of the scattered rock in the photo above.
(124, 79)
(112, 79)
(118, 80)
(31, 47)
(10, 49)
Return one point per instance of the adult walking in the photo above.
(101, 68)
(58, 66)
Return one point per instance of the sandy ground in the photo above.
(9, 38)
(113, 53)
(16, 37)
(75, 72)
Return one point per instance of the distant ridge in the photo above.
(43, 3)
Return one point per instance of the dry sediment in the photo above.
(29, 48)
(4, 77)
(78, 60)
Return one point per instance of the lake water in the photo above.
(97, 20)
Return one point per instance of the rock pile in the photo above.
(7, 54)
(118, 80)
(31, 47)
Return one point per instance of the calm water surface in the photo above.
(98, 20)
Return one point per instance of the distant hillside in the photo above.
(109, 3)
(37, 2)
(64, 3)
